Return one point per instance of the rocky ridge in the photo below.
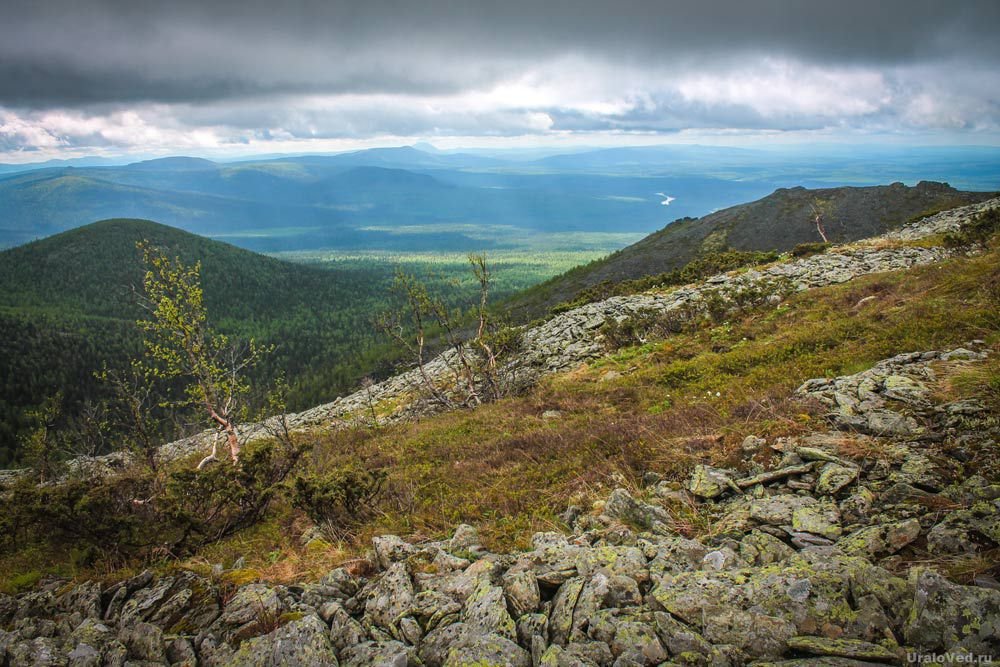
(813, 556)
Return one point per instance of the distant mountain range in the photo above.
(354, 200)
(780, 221)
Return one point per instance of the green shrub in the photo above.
(809, 249)
(340, 500)
(203, 506)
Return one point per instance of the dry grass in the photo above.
(689, 399)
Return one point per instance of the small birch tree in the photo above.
(181, 345)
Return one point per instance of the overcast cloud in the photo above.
(81, 76)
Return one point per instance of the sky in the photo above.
(232, 77)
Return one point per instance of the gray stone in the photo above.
(389, 596)
(344, 630)
(880, 540)
(521, 590)
(844, 648)
(486, 612)
(38, 652)
(758, 635)
(487, 651)
(375, 654)
(759, 548)
(438, 642)
(834, 477)
(946, 616)
(390, 549)
(144, 641)
(709, 482)
(621, 505)
(778, 510)
(821, 519)
(250, 606)
(465, 539)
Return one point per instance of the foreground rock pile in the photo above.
(828, 547)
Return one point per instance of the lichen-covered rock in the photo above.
(144, 641)
(465, 539)
(759, 548)
(247, 610)
(614, 560)
(880, 540)
(945, 616)
(756, 634)
(676, 554)
(487, 651)
(486, 612)
(303, 642)
(344, 630)
(638, 643)
(621, 505)
(390, 549)
(708, 482)
(389, 596)
(375, 654)
(844, 648)
(964, 531)
(820, 518)
(435, 645)
(38, 652)
(181, 653)
(834, 477)
(522, 593)
(84, 600)
(778, 510)
(92, 638)
(807, 590)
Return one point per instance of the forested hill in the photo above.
(91, 270)
(67, 306)
(779, 222)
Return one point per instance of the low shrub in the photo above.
(340, 500)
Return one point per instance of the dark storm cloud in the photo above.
(61, 53)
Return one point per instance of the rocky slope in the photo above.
(571, 338)
(779, 221)
(826, 548)
(809, 560)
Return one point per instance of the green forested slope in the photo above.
(67, 306)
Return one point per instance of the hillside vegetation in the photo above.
(814, 459)
(687, 396)
(67, 308)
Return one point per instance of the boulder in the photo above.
(487, 651)
(303, 642)
(708, 482)
(389, 596)
(946, 616)
(486, 612)
(522, 593)
(621, 505)
(843, 648)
